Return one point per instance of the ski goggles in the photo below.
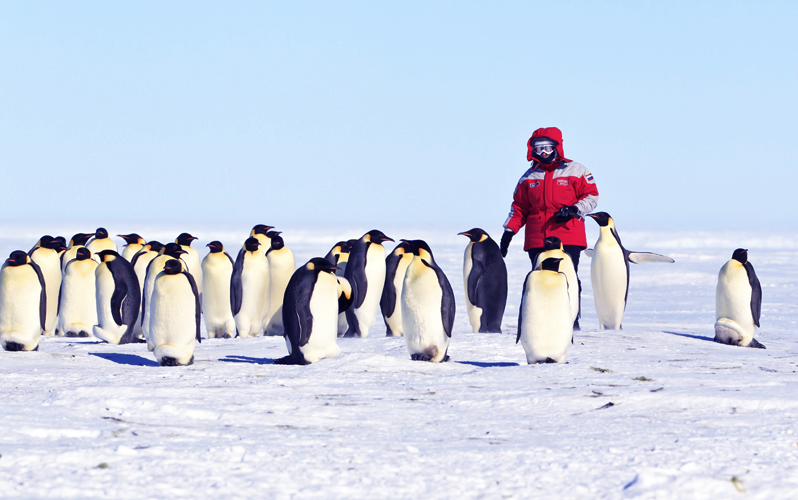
(541, 148)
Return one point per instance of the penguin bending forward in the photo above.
(738, 302)
(217, 271)
(428, 307)
(395, 267)
(545, 324)
(484, 281)
(118, 299)
(23, 303)
(310, 313)
(174, 315)
(365, 272)
(77, 308)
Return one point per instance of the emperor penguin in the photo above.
(46, 256)
(338, 256)
(140, 261)
(174, 315)
(484, 282)
(217, 272)
(261, 233)
(100, 242)
(310, 313)
(428, 307)
(282, 265)
(78, 241)
(118, 299)
(395, 266)
(609, 272)
(133, 244)
(191, 259)
(553, 248)
(77, 307)
(738, 302)
(545, 324)
(156, 265)
(249, 289)
(365, 272)
(23, 303)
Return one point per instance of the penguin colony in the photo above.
(156, 294)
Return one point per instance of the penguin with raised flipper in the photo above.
(395, 266)
(133, 244)
(156, 265)
(609, 272)
(191, 259)
(249, 289)
(484, 281)
(553, 248)
(738, 302)
(217, 272)
(174, 315)
(545, 323)
(46, 255)
(365, 272)
(23, 303)
(282, 265)
(78, 241)
(428, 307)
(77, 308)
(118, 299)
(100, 242)
(310, 313)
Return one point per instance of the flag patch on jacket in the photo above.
(589, 178)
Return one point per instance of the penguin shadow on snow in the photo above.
(483, 364)
(247, 359)
(697, 337)
(125, 359)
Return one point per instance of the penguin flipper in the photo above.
(474, 278)
(521, 308)
(117, 299)
(358, 278)
(447, 299)
(236, 285)
(197, 306)
(42, 296)
(646, 257)
(756, 293)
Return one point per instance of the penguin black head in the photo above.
(740, 255)
(277, 242)
(260, 229)
(603, 218)
(420, 248)
(173, 250)
(83, 253)
(185, 239)
(272, 234)
(155, 246)
(61, 240)
(215, 246)
(376, 236)
(80, 239)
(17, 258)
(552, 243)
(251, 245)
(100, 233)
(58, 245)
(403, 247)
(551, 264)
(107, 255)
(48, 241)
(475, 234)
(173, 266)
(132, 238)
(320, 265)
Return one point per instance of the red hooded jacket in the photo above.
(544, 189)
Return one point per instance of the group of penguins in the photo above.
(156, 293)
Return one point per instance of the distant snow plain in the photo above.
(655, 411)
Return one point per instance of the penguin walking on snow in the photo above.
(545, 324)
(118, 299)
(738, 302)
(77, 307)
(23, 303)
(428, 307)
(395, 267)
(249, 289)
(174, 315)
(484, 281)
(100, 242)
(133, 244)
(46, 255)
(310, 313)
(365, 272)
(282, 265)
(609, 272)
(553, 248)
(217, 271)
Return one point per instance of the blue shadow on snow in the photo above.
(697, 337)
(483, 364)
(125, 359)
(247, 359)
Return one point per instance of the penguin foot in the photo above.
(170, 361)
(71, 334)
(445, 359)
(548, 360)
(577, 328)
(226, 336)
(84, 334)
(290, 360)
(15, 346)
(420, 356)
(756, 344)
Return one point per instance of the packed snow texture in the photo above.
(656, 410)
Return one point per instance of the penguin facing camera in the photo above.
(23, 303)
(249, 289)
(282, 265)
(217, 272)
(77, 307)
(174, 315)
(738, 302)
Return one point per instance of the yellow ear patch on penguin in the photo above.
(310, 266)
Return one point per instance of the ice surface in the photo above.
(656, 410)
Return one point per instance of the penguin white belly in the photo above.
(421, 312)
(474, 312)
(734, 320)
(155, 267)
(106, 328)
(255, 297)
(395, 320)
(546, 323)
(78, 311)
(20, 295)
(173, 326)
(324, 309)
(609, 279)
(131, 250)
(68, 255)
(216, 308)
(281, 267)
(375, 277)
(50, 265)
(567, 268)
(97, 246)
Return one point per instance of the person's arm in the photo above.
(586, 193)
(516, 219)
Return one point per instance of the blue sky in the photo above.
(375, 113)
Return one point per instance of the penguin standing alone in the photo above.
(738, 302)
(23, 303)
(484, 281)
(428, 307)
(133, 244)
(282, 265)
(217, 272)
(77, 310)
(365, 272)
(395, 267)
(174, 315)
(249, 289)
(118, 299)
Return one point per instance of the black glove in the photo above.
(566, 213)
(506, 238)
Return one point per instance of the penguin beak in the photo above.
(464, 233)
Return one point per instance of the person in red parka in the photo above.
(551, 199)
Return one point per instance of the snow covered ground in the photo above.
(654, 411)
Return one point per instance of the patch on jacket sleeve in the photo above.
(589, 178)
